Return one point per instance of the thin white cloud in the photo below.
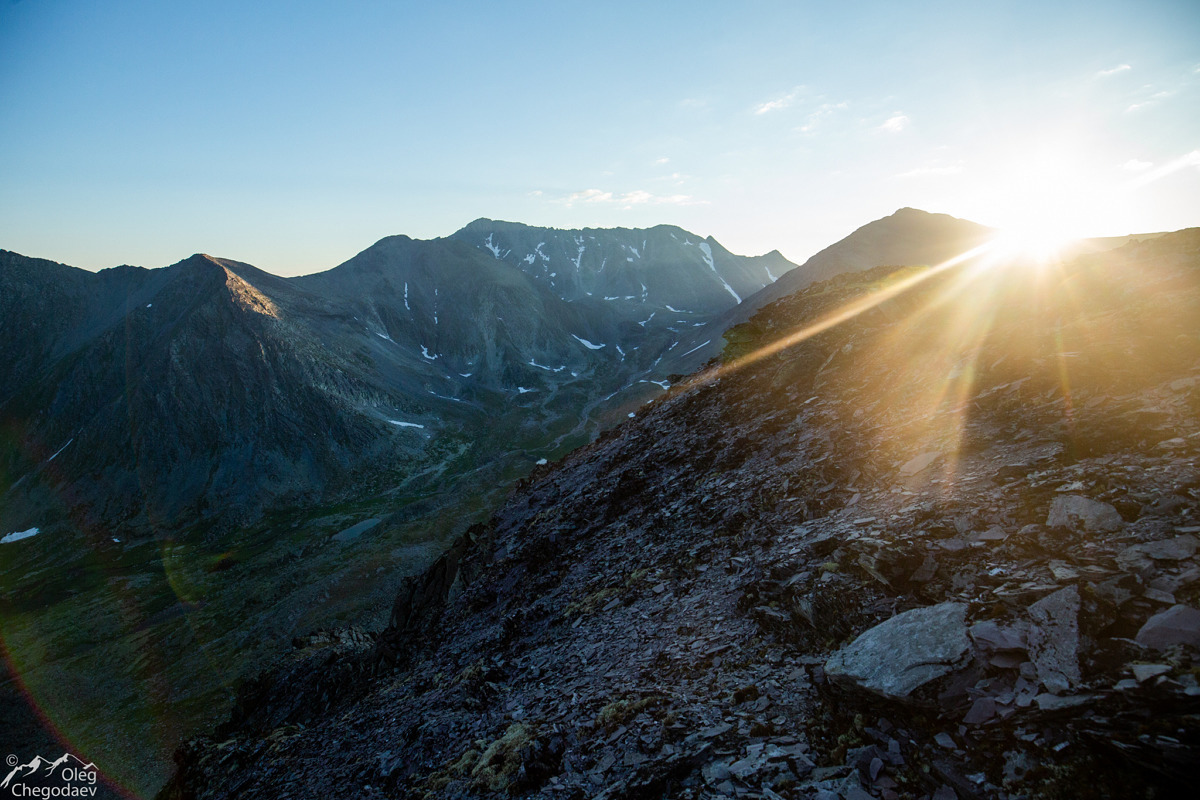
(1152, 100)
(1191, 159)
(637, 197)
(589, 196)
(931, 171)
(822, 112)
(662, 160)
(1104, 73)
(783, 101)
(1136, 165)
(895, 123)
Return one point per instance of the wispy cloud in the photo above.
(1104, 73)
(590, 196)
(662, 160)
(637, 197)
(783, 101)
(1152, 100)
(1136, 165)
(1189, 160)
(931, 171)
(895, 123)
(822, 112)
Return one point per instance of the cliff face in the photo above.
(944, 547)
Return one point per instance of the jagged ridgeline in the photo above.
(946, 547)
(212, 391)
(203, 461)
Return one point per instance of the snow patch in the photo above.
(647, 319)
(465, 374)
(588, 344)
(533, 363)
(385, 336)
(495, 248)
(708, 259)
(542, 462)
(16, 537)
(406, 308)
(523, 390)
(677, 311)
(425, 352)
(770, 277)
(64, 447)
(149, 305)
(694, 349)
(579, 257)
(402, 424)
(529, 258)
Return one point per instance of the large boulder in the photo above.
(1094, 515)
(905, 652)
(1054, 639)
(1179, 624)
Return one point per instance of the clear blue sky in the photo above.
(293, 135)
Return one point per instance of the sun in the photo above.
(1039, 244)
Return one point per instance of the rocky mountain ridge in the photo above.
(205, 460)
(200, 391)
(943, 548)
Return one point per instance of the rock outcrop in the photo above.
(713, 600)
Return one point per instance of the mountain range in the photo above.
(209, 392)
(218, 461)
(945, 547)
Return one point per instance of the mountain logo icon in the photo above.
(66, 767)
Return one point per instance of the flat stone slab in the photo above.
(1092, 514)
(1177, 625)
(905, 652)
(919, 463)
(1054, 639)
(354, 531)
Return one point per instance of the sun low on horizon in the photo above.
(304, 136)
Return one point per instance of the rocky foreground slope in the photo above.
(944, 548)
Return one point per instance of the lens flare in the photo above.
(1031, 244)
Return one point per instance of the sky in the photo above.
(293, 135)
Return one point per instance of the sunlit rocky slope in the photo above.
(942, 546)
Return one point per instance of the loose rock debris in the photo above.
(897, 559)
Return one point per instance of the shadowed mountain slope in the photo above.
(201, 462)
(945, 546)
